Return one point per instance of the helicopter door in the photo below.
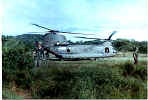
(68, 50)
(106, 50)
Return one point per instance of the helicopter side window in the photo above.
(68, 50)
(106, 50)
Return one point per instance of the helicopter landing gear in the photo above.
(46, 55)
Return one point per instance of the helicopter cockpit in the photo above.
(54, 40)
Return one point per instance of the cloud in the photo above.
(102, 16)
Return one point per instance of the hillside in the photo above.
(122, 45)
(30, 37)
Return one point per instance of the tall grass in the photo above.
(82, 80)
(8, 94)
(85, 81)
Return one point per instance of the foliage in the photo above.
(89, 80)
(8, 94)
(129, 45)
(17, 64)
(83, 82)
(142, 46)
(86, 82)
(31, 38)
(138, 71)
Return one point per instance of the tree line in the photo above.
(123, 45)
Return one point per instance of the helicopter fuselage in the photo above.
(83, 51)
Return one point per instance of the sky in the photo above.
(99, 17)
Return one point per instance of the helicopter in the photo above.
(56, 44)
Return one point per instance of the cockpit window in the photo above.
(106, 50)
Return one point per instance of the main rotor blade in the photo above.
(86, 37)
(42, 27)
(74, 33)
(36, 32)
(56, 31)
(81, 33)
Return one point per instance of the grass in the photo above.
(8, 94)
(115, 78)
(105, 78)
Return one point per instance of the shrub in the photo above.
(17, 64)
(53, 82)
(140, 72)
(8, 94)
(136, 71)
(66, 82)
(128, 68)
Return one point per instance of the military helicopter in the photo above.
(57, 44)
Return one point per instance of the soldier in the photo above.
(39, 53)
(135, 55)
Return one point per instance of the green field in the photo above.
(114, 77)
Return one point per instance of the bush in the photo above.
(65, 82)
(140, 72)
(8, 94)
(17, 64)
(136, 71)
(53, 83)
(128, 68)
(129, 45)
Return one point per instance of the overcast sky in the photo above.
(128, 17)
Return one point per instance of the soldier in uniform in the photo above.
(39, 53)
(135, 55)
